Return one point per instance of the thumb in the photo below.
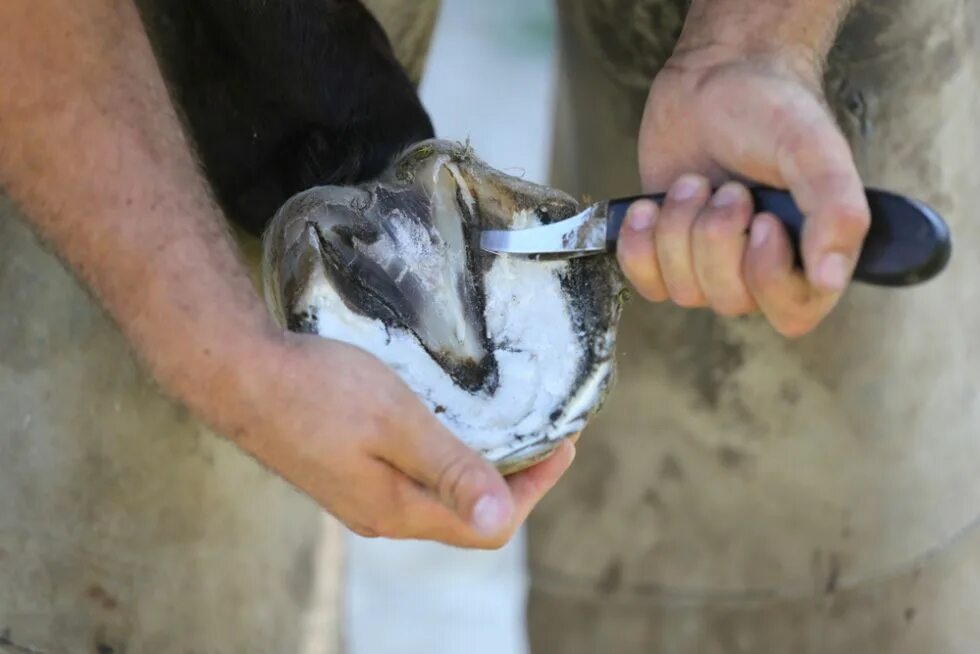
(817, 165)
(459, 477)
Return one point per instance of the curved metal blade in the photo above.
(579, 235)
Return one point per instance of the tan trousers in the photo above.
(742, 493)
(739, 494)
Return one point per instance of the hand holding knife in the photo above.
(908, 242)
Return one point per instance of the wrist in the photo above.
(798, 33)
(208, 340)
(227, 381)
(698, 63)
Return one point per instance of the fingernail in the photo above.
(726, 196)
(760, 232)
(833, 272)
(641, 217)
(490, 515)
(686, 188)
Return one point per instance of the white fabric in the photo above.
(424, 598)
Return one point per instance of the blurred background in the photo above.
(489, 80)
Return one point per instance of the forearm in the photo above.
(804, 28)
(92, 150)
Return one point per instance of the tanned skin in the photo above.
(741, 99)
(92, 150)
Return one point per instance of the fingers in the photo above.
(691, 250)
(637, 253)
(422, 516)
(672, 239)
(718, 242)
(817, 165)
(531, 485)
(452, 473)
(417, 514)
(783, 294)
(655, 250)
(698, 251)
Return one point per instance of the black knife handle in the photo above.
(908, 242)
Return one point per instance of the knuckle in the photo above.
(716, 229)
(390, 526)
(380, 433)
(639, 270)
(652, 292)
(676, 218)
(453, 477)
(656, 297)
(793, 142)
(629, 263)
(765, 283)
(737, 308)
(673, 225)
(385, 521)
(759, 283)
(362, 530)
(793, 328)
(643, 273)
(713, 227)
(798, 125)
(851, 218)
(688, 296)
